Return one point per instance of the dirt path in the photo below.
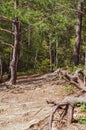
(26, 105)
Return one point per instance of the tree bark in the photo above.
(1, 72)
(35, 60)
(16, 48)
(85, 59)
(76, 52)
(28, 44)
(56, 54)
(50, 54)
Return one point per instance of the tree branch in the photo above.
(5, 30)
(6, 19)
(5, 43)
(70, 9)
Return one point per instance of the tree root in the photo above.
(69, 103)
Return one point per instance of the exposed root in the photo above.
(78, 79)
(69, 103)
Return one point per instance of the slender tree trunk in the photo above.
(29, 42)
(10, 55)
(15, 55)
(56, 54)
(50, 54)
(1, 72)
(85, 59)
(78, 33)
(35, 60)
(29, 33)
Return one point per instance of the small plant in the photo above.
(82, 120)
(82, 105)
(73, 68)
(83, 109)
(69, 89)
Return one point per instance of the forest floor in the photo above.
(24, 107)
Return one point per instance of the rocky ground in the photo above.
(24, 107)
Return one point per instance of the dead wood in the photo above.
(67, 105)
(78, 79)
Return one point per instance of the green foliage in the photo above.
(82, 120)
(25, 73)
(83, 106)
(44, 66)
(73, 68)
(83, 109)
(46, 21)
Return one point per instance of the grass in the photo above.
(25, 73)
(82, 120)
(83, 106)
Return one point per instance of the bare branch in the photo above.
(6, 19)
(5, 30)
(5, 43)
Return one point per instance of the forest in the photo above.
(43, 61)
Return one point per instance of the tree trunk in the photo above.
(85, 59)
(35, 60)
(29, 33)
(50, 54)
(78, 34)
(15, 55)
(1, 70)
(29, 42)
(56, 54)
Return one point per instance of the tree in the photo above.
(16, 38)
(39, 19)
(76, 52)
(16, 48)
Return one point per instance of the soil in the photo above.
(24, 107)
